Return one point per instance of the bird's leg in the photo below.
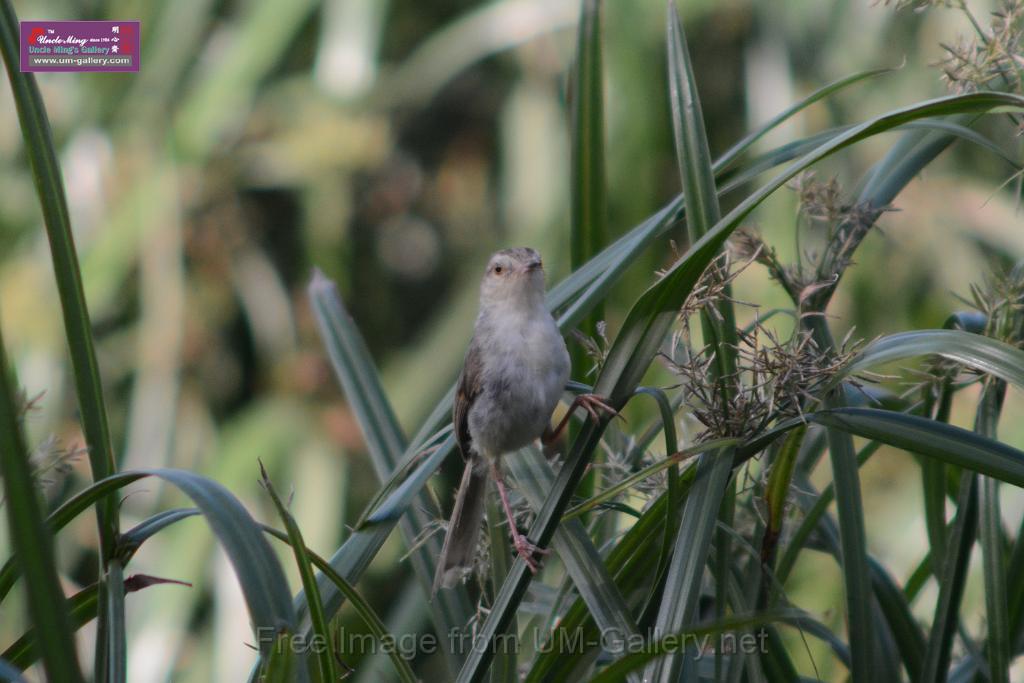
(589, 402)
(524, 548)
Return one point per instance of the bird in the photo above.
(513, 376)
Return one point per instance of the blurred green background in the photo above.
(394, 145)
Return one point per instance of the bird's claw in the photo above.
(592, 403)
(527, 550)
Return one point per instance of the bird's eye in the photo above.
(498, 270)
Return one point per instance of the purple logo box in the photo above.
(80, 46)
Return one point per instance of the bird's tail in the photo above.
(464, 528)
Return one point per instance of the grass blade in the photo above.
(952, 445)
(692, 153)
(701, 509)
(386, 444)
(576, 551)
(82, 608)
(133, 539)
(259, 574)
(588, 211)
(597, 275)
(776, 493)
(543, 529)
(32, 540)
(627, 561)
(694, 636)
(990, 533)
(256, 567)
(985, 354)
(111, 605)
(320, 623)
(355, 371)
(359, 604)
(1015, 567)
(504, 669)
(951, 581)
(907, 634)
(812, 517)
(730, 157)
(354, 556)
(280, 665)
(632, 480)
(683, 584)
(46, 174)
(60, 517)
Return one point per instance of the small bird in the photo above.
(514, 373)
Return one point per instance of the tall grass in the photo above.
(677, 551)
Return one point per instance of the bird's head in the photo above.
(514, 277)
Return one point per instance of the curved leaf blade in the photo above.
(952, 445)
(33, 541)
(986, 354)
(320, 624)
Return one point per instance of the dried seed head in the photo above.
(990, 60)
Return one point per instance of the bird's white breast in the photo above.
(523, 378)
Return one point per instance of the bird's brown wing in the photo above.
(470, 382)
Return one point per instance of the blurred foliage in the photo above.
(394, 144)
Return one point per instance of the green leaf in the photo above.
(675, 642)
(320, 623)
(355, 370)
(692, 154)
(354, 556)
(112, 616)
(990, 533)
(46, 174)
(592, 281)
(853, 538)
(776, 493)
(894, 606)
(952, 445)
(632, 480)
(951, 579)
(666, 410)
(582, 561)
(588, 215)
(693, 539)
(59, 518)
(132, 539)
(628, 561)
(359, 604)
(81, 607)
(505, 666)
(811, 519)
(733, 154)
(259, 573)
(1015, 567)
(588, 211)
(701, 509)
(985, 354)
(280, 664)
(32, 540)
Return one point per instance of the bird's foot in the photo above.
(528, 551)
(592, 403)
